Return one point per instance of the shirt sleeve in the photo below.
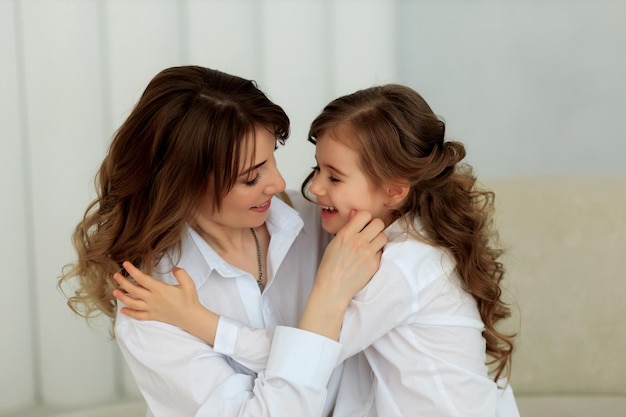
(180, 375)
(386, 302)
(248, 346)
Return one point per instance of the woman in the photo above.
(188, 182)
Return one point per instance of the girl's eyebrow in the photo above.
(332, 168)
(247, 171)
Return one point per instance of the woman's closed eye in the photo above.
(254, 180)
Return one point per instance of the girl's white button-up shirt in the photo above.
(412, 339)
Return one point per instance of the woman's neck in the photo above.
(237, 246)
(222, 239)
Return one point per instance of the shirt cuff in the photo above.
(302, 357)
(226, 336)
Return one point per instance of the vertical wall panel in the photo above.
(530, 87)
(17, 384)
(63, 96)
(141, 38)
(364, 48)
(297, 48)
(315, 51)
(224, 34)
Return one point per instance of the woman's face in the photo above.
(340, 185)
(247, 203)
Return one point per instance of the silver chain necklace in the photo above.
(258, 259)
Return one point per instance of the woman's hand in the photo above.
(173, 304)
(349, 262)
(353, 256)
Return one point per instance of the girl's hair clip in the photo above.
(313, 140)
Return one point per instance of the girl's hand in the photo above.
(154, 300)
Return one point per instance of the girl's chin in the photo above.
(331, 227)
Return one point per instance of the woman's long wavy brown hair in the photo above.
(182, 139)
(398, 136)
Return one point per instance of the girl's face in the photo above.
(247, 203)
(340, 185)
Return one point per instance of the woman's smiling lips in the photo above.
(261, 208)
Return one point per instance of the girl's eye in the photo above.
(316, 170)
(253, 181)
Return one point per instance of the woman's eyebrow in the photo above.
(247, 171)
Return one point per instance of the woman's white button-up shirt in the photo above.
(180, 375)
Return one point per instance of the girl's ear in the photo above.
(396, 192)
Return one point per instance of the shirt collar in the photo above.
(398, 230)
(199, 259)
(283, 219)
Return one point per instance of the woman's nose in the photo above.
(276, 184)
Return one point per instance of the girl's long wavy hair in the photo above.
(183, 139)
(398, 136)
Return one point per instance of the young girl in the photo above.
(427, 321)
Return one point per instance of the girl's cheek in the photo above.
(345, 217)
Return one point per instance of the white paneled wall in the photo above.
(71, 71)
(530, 86)
(17, 331)
(64, 135)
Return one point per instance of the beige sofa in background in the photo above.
(566, 239)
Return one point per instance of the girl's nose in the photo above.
(315, 187)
